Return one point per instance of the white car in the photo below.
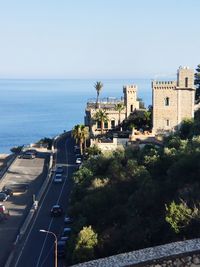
(78, 161)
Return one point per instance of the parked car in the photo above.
(56, 211)
(2, 209)
(27, 155)
(16, 188)
(3, 196)
(8, 191)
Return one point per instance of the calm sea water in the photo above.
(33, 109)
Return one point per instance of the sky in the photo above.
(97, 38)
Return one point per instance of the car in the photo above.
(56, 211)
(61, 248)
(3, 196)
(16, 188)
(67, 220)
(78, 161)
(27, 155)
(66, 231)
(59, 169)
(2, 209)
(58, 178)
(64, 238)
(7, 191)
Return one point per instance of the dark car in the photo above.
(3, 196)
(61, 248)
(8, 191)
(59, 170)
(56, 211)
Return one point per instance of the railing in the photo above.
(106, 100)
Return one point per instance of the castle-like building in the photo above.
(173, 101)
(130, 104)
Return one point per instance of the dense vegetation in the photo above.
(138, 197)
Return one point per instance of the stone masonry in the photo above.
(173, 101)
(130, 103)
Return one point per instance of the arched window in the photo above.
(112, 123)
(98, 124)
(167, 101)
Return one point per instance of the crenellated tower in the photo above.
(173, 101)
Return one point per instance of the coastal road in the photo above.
(38, 248)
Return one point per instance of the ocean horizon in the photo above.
(31, 109)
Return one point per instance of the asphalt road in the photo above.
(38, 248)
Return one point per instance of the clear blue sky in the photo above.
(97, 38)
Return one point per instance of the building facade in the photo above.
(173, 101)
(130, 104)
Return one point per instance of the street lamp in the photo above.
(56, 243)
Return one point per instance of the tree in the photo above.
(102, 117)
(80, 133)
(197, 82)
(85, 244)
(98, 86)
(180, 215)
(119, 107)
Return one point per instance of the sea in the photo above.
(34, 109)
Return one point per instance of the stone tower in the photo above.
(173, 101)
(130, 99)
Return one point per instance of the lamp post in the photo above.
(56, 242)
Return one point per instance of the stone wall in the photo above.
(180, 95)
(179, 254)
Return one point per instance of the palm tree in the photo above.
(102, 117)
(98, 86)
(80, 133)
(119, 107)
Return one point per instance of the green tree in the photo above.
(98, 86)
(85, 244)
(101, 116)
(80, 133)
(119, 107)
(180, 215)
(197, 82)
(186, 129)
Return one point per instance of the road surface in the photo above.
(38, 248)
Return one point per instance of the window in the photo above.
(112, 124)
(98, 124)
(106, 125)
(186, 82)
(167, 101)
(167, 123)
(131, 108)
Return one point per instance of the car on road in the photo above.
(59, 169)
(78, 161)
(66, 231)
(58, 178)
(67, 220)
(3, 196)
(61, 248)
(56, 211)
